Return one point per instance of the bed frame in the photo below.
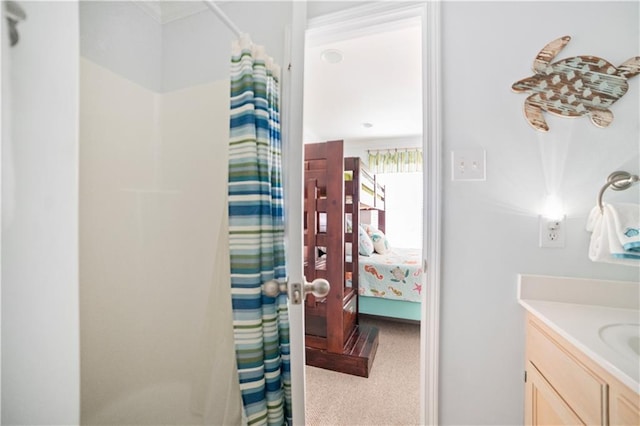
(334, 338)
(388, 308)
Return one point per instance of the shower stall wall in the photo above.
(156, 335)
(151, 203)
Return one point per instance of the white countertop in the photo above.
(600, 303)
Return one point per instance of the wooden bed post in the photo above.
(335, 246)
(311, 231)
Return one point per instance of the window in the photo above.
(403, 208)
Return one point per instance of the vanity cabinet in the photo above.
(565, 387)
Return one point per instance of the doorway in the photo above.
(329, 39)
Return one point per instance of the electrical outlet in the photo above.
(552, 232)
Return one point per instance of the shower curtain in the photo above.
(256, 236)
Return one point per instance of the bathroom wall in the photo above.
(40, 361)
(490, 229)
(5, 136)
(153, 164)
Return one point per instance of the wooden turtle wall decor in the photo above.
(582, 85)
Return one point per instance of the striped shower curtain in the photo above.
(256, 236)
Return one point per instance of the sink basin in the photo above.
(623, 338)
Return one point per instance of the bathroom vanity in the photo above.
(582, 363)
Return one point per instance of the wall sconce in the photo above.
(553, 208)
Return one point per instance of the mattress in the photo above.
(395, 275)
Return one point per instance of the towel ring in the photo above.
(618, 181)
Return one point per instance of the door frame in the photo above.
(348, 23)
(292, 176)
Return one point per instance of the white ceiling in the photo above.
(377, 82)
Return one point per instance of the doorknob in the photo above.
(318, 287)
(273, 288)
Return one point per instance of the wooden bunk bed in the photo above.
(340, 194)
(334, 338)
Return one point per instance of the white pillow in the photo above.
(365, 245)
(380, 241)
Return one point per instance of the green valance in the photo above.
(395, 160)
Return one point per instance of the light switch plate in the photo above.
(468, 164)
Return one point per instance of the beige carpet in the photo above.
(389, 396)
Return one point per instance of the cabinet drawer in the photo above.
(582, 389)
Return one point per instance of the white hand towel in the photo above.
(615, 234)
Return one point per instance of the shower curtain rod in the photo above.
(216, 9)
